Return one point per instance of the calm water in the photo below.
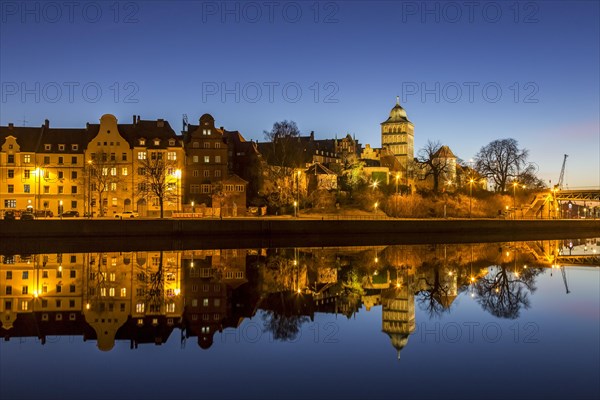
(499, 320)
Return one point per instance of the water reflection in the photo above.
(143, 297)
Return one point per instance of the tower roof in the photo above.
(397, 114)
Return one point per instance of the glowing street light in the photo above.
(295, 209)
(177, 175)
(375, 206)
(374, 184)
(471, 181)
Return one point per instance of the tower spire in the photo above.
(397, 100)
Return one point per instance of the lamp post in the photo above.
(295, 209)
(38, 174)
(89, 205)
(177, 175)
(375, 207)
(471, 181)
(60, 208)
(515, 184)
(297, 202)
(397, 178)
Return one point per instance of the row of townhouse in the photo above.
(108, 168)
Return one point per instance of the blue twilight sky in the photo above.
(467, 73)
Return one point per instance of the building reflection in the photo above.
(143, 297)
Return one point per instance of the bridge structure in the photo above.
(555, 255)
(549, 204)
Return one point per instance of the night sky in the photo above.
(466, 73)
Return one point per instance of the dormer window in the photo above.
(172, 142)
(74, 147)
(142, 142)
(206, 132)
(156, 142)
(47, 147)
(61, 147)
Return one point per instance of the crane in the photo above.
(564, 276)
(559, 185)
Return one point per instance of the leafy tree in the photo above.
(501, 161)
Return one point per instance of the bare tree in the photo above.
(435, 166)
(158, 178)
(502, 160)
(103, 174)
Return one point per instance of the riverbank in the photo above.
(140, 234)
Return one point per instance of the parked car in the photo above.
(9, 215)
(43, 213)
(27, 216)
(70, 214)
(127, 214)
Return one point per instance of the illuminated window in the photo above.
(205, 302)
(195, 158)
(124, 171)
(217, 145)
(172, 156)
(142, 155)
(217, 302)
(217, 159)
(171, 307)
(27, 158)
(207, 145)
(113, 171)
(103, 292)
(24, 305)
(139, 307)
(123, 292)
(104, 171)
(111, 292)
(114, 201)
(206, 159)
(113, 187)
(112, 275)
(194, 302)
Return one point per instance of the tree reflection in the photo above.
(503, 292)
(283, 327)
(438, 292)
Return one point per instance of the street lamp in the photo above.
(471, 181)
(177, 175)
(297, 202)
(515, 184)
(89, 205)
(375, 206)
(60, 208)
(374, 184)
(295, 209)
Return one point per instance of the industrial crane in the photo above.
(564, 276)
(559, 185)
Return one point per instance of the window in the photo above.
(217, 173)
(27, 158)
(73, 174)
(142, 142)
(11, 159)
(172, 156)
(26, 174)
(123, 292)
(61, 160)
(217, 302)
(206, 173)
(74, 147)
(9, 290)
(46, 159)
(112, 276)
(115, 202)
(11, 188)
(229, 188)
(113, 157)
(25, 290)
(103, 292)
(58, 289)
(139, 292)
(46, 189)
(104, 171)
(172, 142)
(156, 142)
(171, 307)
(11, 173)
(207, 145)
(195, 158)
(124, 157)
(44, 288)
(24, 305)
(142, 155)
(111, 292)
(72, 273)
(8, 305)
(205, 302)
(72, 305)
(71, 288)
(60, 190)
(47, 147)
(195, 188)
(217, 145)
(73, 189)
(10, 203)
(45, 274)
(205, 188)
(60, 175)
(61, 147)
(141, 171)
(196, 173)
(59, 274)
(8, 275)
(113, 186)
(206, 159)
(206, 132)
(113, 171)
(73, 204)
(239, 188)
(25, 275)
(217, 159)
(58, 304)
(124, 171)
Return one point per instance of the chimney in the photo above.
(312, 135)
(160, 123)
(46, 124)
(138, 119)
(11, 125)
(134, 121)
(87, 126)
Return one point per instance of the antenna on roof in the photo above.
(185, 122)
(24, 120)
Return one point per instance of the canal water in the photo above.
(493, 320)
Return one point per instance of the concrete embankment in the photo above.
(265, 232)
